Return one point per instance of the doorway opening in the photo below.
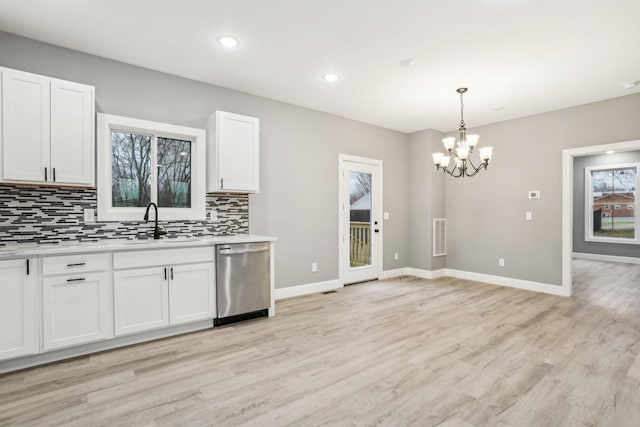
(568, 195)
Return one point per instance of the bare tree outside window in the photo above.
(131, 169)
(359, 185)
(174, 173)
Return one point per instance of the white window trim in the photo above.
(108, 122)
(588, 209)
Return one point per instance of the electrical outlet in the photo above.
(500, 262)
(89, 216)
(314, 267)
(212, 215)
(385, 215)
(395, 256)
(528, 216)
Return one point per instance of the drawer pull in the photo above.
(76, 280)
(77, 264)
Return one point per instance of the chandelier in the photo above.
(459, 158)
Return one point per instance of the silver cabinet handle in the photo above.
(76, 280)
(77, 264)
(226, 251)
(221, 183)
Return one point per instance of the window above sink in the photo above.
(130, 150)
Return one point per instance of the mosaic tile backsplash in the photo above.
(55, 215)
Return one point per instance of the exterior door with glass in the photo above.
(360, 219)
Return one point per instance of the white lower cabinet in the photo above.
(18, 335)
(141, 299)
(76, 309)
(77, 300)
(166, 287)
(192, 295)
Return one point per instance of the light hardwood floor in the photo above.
(399, 352)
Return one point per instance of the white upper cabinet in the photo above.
(72, 146)
(234, 161)
(47, 130)
(26, 126)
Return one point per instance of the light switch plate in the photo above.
(528, 216)
(385, 215)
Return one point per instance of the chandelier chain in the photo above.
(461, 110)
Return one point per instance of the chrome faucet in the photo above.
(156, 231)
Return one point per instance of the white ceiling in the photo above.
(528, 56)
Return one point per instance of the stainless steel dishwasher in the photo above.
(243, 278)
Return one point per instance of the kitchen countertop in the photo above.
(116, 245)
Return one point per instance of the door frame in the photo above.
(567, 201)
(342, 261)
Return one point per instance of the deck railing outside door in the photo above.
(360, 233)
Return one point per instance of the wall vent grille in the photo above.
(439, 236)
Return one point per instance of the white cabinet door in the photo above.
(25, 127)
(236, 157)
(17, 308)
(141, 299)
(76, 309)
(192, 293)
(72, 148)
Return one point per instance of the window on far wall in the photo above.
(612, 185)
(130, 150)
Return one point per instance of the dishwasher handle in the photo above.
(229, 251)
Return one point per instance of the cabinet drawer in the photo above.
(162, 257)
(74, 264)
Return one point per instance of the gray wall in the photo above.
(299, 170)
(486, 213)
(426, 198)
(298, 197)
(579, 243)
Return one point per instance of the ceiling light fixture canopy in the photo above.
(460, 154)
(331, 77)
(228, 41)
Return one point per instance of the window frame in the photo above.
(106, 123)
(588, 193)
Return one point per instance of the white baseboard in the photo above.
(426, 274)
(608, 258)
(309, 288)
(410, 271)
(329, 285)
(396, 272)
(509, 282)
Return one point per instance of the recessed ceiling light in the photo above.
(408, 62)
(610, 152)
(631, 85)
(500, 108)
(331, 77)
(228, 41)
